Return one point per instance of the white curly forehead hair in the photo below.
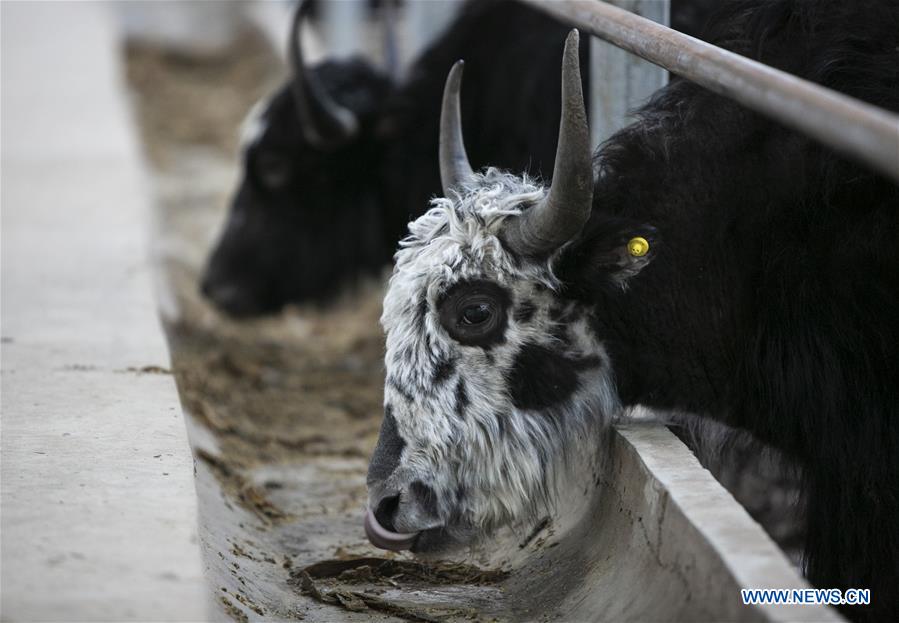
(494, 382)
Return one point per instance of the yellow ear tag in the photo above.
(638, 246)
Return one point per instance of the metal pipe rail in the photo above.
(864, 132)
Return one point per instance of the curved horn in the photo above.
(324, 122)
(563, 212)
(454, 167)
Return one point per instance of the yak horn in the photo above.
(324, 122)
(562, 213)
(454, 167)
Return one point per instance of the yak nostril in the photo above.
(386, 511)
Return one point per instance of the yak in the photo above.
(707, 260)
(340, 157)
(313, 138)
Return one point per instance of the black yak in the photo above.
(329, 185)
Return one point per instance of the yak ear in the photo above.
(608, 252)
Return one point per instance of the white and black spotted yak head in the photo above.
(496, 384)
(307, 173)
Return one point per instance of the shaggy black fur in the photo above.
(461, 398)
(774, 302)
(333, 216)
(443, 371)
(280, 242)
(524, 312)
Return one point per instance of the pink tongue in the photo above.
(384, 538)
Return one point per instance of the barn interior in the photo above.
(280, 414)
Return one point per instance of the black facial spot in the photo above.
(586, 363)
(425, 497)
(475, 313)
(524, 312)
(461, 398)
(421, 313)
(542, 457)
(443, 370)
(558, 313)
(541, 378)
(398, 388)
(388, 451)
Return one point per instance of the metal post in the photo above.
(859, 130)
(619, 81)
(343, 26)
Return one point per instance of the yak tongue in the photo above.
(384, 538)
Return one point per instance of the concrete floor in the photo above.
(98, 504)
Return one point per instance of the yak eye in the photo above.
(474, 313)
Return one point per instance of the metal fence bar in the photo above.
(619, 81)
(854, 128)
(343, 24)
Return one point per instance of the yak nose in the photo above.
(395, 520)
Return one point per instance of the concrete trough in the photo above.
(661, 540)
(98, 504)
(283, 414)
